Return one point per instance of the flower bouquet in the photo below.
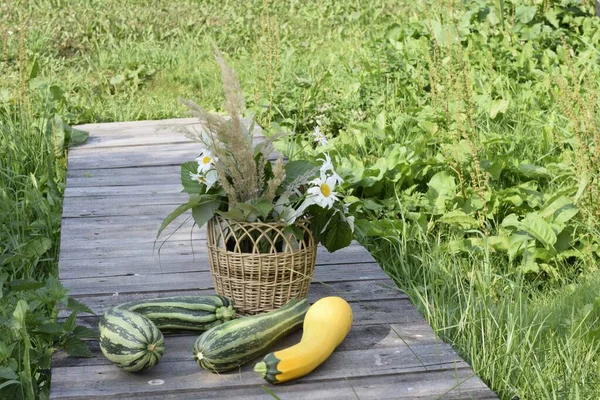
(264, 216)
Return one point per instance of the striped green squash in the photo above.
(130, 340)
(189, 313)
(234, 343)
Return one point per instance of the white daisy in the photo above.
(327, 169)
(205, 161)
(322, 193)
(208, 178)
(319, 137)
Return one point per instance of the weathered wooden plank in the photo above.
(361, 337)
(353, 291)
(120, 134)
(123, 157)
(152, 283)
(397, 309)
(182, 260)
(185, 375)
(447, 384)
(93, 192)
(115, 250)
(152, 175)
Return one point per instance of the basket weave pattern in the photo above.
(259, 265)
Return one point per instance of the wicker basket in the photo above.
(260, 266)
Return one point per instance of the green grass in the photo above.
(451, 124)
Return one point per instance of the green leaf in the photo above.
(331, 229)
(7, 373)
(295, 169)
(536, 227)
(73, 136)
(534, 171)
(84, 332)
(20, 285)
(525, 14)
(37, 247)
(458, 217)
(517, 245)
(21, 311)
(583, 184)
(203, 212)
(51, 328)
(8, 383)
(264, 208)
(498, 106)
(442, 187)
(191, 186)
(75, 305)
(69, 324)
(235, 214)
(193, 202)
(429, 127)
(35, 69)
(76, 347)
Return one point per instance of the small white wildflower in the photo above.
(323, 192)
(205, 161)
(208, 178)
(319, 137)
(10, 33)
(327, 169)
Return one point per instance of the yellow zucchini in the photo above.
(326, 324)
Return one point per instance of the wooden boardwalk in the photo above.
(120, 186)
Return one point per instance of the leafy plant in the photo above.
(233, 177)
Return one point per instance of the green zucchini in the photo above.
(234, 343)
(130, 340)
(190, 313)
(130, 333)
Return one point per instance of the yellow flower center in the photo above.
(205, 160)
(325, 189)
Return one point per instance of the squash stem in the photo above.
(261, 368)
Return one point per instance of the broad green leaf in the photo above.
(193, 202)
(20, 311)
(498, 106)
(297, 168)
(525, 14)
(76, 347)
(7, 373)
(459, 218)
(535, 226)
(331, 228)
(73, 136)
(442, 188)
(429, 127)
(559, 211)
(50, 327)
(20, 285)
(235, 214)
(517, 244)
(534, 171)
(264, 208)
(8, 383)
(191, 186)
(37, 247)
(203, 212)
